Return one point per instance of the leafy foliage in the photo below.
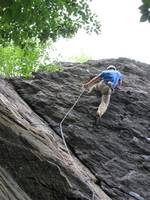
(50, 68)
(15, 61)
(44, 19)
(82, 58)
(145, 11)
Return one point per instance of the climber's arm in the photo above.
(119, 82)
(91, 82)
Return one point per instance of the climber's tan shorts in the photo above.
(106, 91)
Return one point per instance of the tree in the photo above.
(21, 20)
(17, 61)
(145, 11)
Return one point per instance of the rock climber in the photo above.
(105, 82)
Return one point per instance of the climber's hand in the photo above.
(85, 87)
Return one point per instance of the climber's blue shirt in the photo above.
(111, 75)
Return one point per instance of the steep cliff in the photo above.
(111, 159)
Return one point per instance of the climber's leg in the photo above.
(93, 87)
(98, 86)
(105, 99)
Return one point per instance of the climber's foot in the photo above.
(97, 119)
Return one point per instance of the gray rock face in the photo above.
(111, 157)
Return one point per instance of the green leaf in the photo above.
(43, 19)
(144, 18)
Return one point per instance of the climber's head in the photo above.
(111, 67)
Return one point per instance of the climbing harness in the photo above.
(62, 133)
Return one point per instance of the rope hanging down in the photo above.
(62, 134)
(61, 130)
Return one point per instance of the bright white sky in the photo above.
(122, 35)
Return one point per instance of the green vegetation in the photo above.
(50, 68)
(40, 20)
(15, 61)
(80, 58)
(26, 26)
(145, 11)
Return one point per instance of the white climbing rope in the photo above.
(61, 123)
(62, 133)
(93, 195)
